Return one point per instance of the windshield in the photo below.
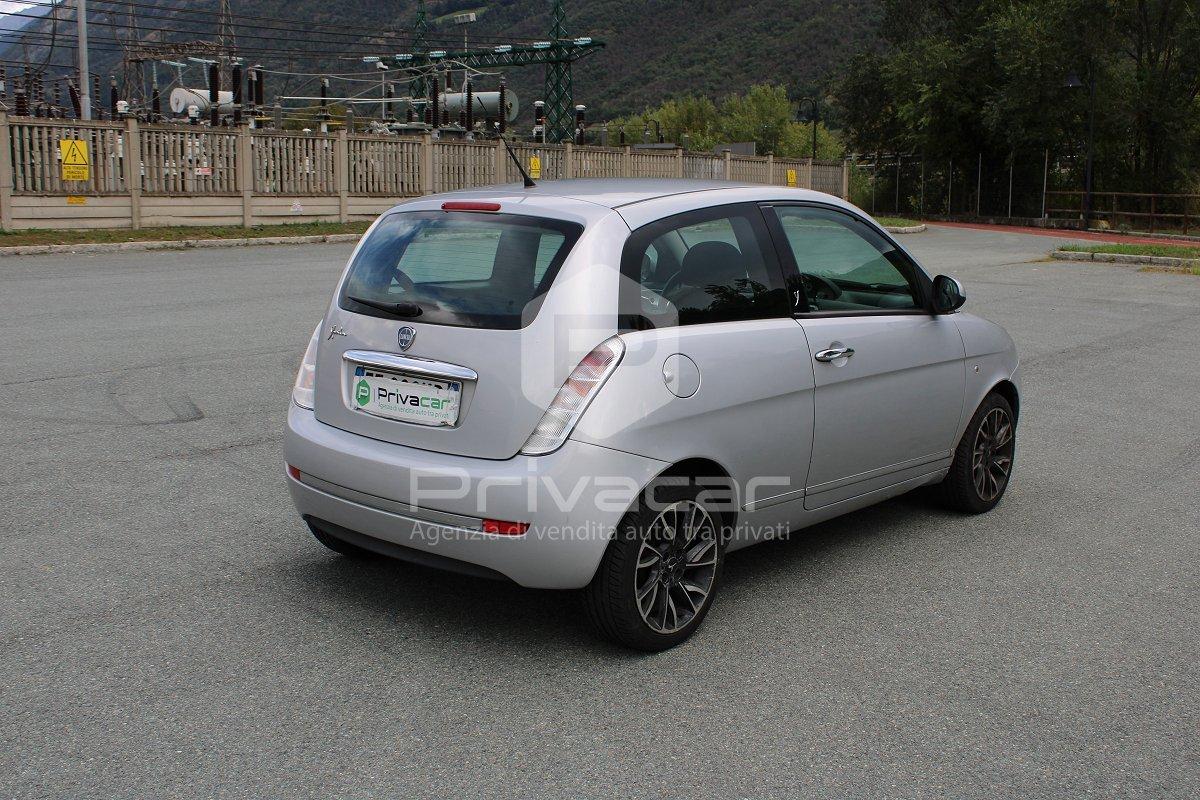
(458, 268)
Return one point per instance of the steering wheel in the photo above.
(815, 284)
(406, 283)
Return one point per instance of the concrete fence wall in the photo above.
(148, 175)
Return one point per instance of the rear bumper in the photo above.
(434, 503)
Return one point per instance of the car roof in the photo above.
(638, 201)
(616, 193)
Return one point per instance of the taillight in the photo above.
(306, 377)
(572, 399)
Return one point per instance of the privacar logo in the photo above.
(362, 393)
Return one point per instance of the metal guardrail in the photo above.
(1181, 210)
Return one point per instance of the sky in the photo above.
(7, 7)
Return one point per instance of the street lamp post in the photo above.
(539, 121)
(658, 135)
(383, 84)
(813, 117)
(1073, 82)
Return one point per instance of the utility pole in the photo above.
(85, 97)
(898, 158)
(383, 92)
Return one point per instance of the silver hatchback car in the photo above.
(608, 385)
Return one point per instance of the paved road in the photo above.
(168, 628)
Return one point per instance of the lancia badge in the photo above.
(405, 336)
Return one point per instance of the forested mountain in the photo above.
(656, 49)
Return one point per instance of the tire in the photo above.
(983, 460)
(342, 547)
(645, 555)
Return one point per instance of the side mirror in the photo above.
(947, 295)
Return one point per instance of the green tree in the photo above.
(980, 76)
(763, 115)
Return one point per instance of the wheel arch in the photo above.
(708, 473)
(705, 472)
(1008, 390)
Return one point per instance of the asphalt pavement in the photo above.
(169, 628)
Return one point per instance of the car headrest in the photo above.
(712, 264)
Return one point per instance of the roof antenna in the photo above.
(529, 184)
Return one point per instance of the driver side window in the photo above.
(844, 265)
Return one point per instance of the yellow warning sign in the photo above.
(75, 162)
(535, 166)
(791, 177)
(76, 200)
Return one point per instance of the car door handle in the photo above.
(830, 353)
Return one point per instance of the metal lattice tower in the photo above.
(131, 67)
(418, 87)
(558, 54)
(226, 39)
(224, 49)
(559, 90)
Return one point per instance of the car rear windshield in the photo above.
(471, 269)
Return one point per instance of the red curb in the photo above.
(1064, 233)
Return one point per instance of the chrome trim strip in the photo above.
(416, 366)
(938, 460)
(774, 500)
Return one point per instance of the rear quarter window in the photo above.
(711, 265)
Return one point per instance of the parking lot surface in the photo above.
(169, 628)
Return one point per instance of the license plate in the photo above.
(407, 398)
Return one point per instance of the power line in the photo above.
(16, 63)
(53, 37)
(287, 26)
(32, 36)
(115, 45)
(302, 46)
(170, 30)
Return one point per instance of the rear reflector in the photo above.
(293, 473)
(506, 528)
(465, 205)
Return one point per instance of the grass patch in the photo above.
(175, 233)
(897, 222)
(1167, 250)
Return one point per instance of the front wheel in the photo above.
(983, 461)
(658, 577)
